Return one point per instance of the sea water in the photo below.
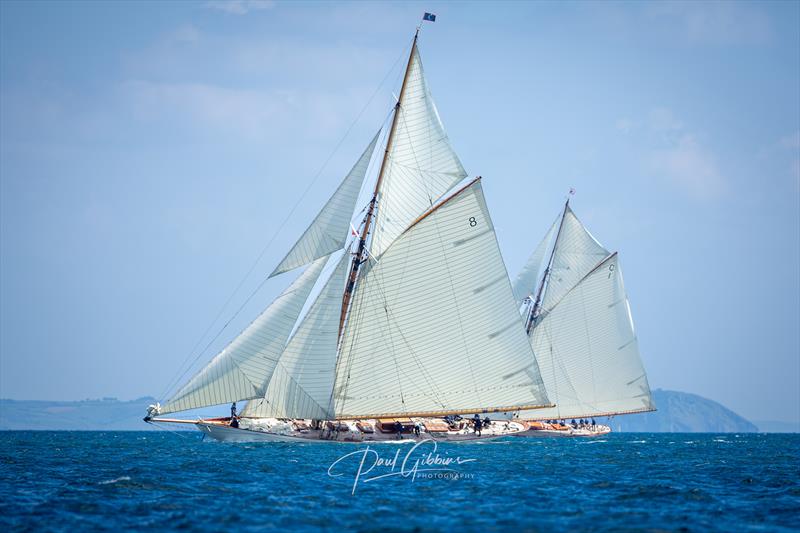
(67, 481)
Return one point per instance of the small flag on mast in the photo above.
(571, 191)
(354, 231)
(429, 17)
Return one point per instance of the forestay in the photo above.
(243, 369)
(420, 165)
(329, 230)
(303, 380)
(434, 326)
(587, 350)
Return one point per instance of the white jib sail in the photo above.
(587, 350)
(526, 282)
(576, 253)
(434, 325)
(242, 370)
(421, 165)
(329, 230)
(303, 379)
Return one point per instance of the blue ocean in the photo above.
(67, 481)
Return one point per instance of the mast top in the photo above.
(570, 194)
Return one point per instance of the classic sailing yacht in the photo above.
(580, 326)
(413, 322)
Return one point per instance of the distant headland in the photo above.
(677, 412)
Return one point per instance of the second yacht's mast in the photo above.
(537, 304)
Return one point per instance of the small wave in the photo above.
(637, 441)
(115, 480)
(720, 440)
(596, 441)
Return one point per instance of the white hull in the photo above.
(226, 433)
(597, 431)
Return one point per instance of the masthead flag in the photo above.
(429, 16)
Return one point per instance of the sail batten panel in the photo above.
(576, 252)
(427, 333)
(243, 368)
(302, 383)
(588, 352)
(330, 228)
(420, 166)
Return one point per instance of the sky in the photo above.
(154, 158)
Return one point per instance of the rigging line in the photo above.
(169, 430)
(425, 374)
(277, 231)
(456, 300)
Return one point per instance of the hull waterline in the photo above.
(224, 432)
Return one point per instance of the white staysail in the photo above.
(434, 326)
(587, 350)
(525, 284)
(575, 253)
(329, 230)
(243, 369)
(303, 379)
(420, 166)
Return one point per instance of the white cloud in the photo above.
(791, 141)
(714, 22)
(625, 125)
(240, 7)
(691, 166)
(251, 113)
(675, 153)
(663, 120)
(185, 34)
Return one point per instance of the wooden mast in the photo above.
(362, 254)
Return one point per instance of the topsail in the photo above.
(420, 165)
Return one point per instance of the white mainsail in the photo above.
(303, 380)
(329, 230)
(584, 338)
(242, 370)
(434, 327)
(525, 284)
(420, 166)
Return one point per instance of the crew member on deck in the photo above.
(398, 427)
(478, 424)
(234, 418)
